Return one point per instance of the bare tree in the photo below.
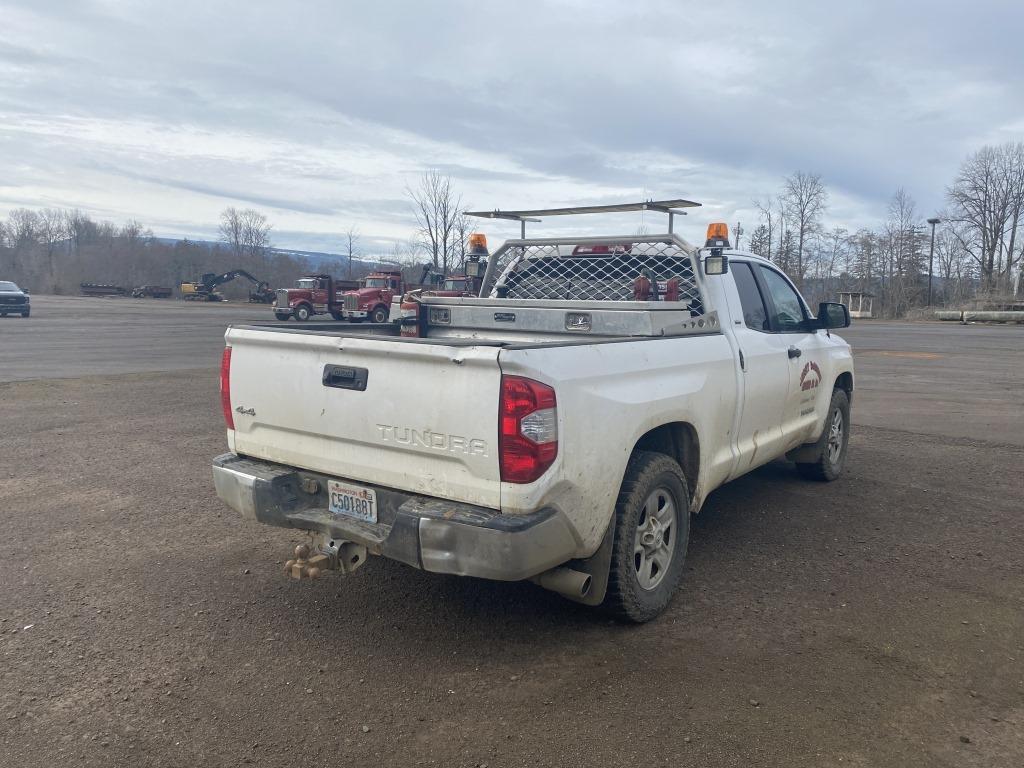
(22, 231)
(351, 246)
(901, 249)
(987, 198)
(437, 207)
(1014, 166)
(805, 198)
(836, 251)
(232, 230)
(81, 230)
(768, 220)
(460, 238)
(246, 233)
(52, 232)
(956, 266)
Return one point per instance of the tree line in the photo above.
(978, 249)
(55, 250)
(977, 255)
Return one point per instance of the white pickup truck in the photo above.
(561, 427)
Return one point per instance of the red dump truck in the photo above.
(372, 299)
(312, 295)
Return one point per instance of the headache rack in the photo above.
(632, 285)
(595, 268)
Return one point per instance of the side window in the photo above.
(788, 314)
(754, 313)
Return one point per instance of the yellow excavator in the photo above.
(205, 289)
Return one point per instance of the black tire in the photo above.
(647, 475)
(283, 316)
(337, 315)
(829, 464)
(26, 313)
(3, 314)
(379, 314)
(302, 313)
(355, 319)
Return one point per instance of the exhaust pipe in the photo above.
(574, 585)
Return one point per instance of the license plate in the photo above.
(352, 501)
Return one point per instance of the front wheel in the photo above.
(302, 313)
(337, 315)
(829, 463)
(652, 532)
(25, 313)
(379, 315)
(282, 315)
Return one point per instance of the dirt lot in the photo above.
(876, 621)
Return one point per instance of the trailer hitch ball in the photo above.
(325, 555)
(304, 566)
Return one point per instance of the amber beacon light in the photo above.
(718, 235)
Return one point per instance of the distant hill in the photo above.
(315, 258)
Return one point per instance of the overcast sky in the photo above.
(320, 114)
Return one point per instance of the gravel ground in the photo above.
(875, 621)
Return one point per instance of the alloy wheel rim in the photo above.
(655, 538)
(835, 437)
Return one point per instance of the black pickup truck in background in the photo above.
(13, 300)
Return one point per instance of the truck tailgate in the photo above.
(426, 421)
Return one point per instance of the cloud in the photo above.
(324, 112)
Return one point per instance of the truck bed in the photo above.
(427, 420)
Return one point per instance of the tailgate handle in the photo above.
(345, 377)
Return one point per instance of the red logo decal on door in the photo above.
(810, 377)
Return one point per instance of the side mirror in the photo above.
(833, 315)
(716, 264)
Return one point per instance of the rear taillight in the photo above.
(225, 388)
(527, 429)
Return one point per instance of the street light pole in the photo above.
(931, 258)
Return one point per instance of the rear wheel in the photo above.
(379, 315)
(302, 313)
(652, 532)
(829, 464)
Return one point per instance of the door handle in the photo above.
(794, 352)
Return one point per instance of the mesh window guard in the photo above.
(556, 271)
